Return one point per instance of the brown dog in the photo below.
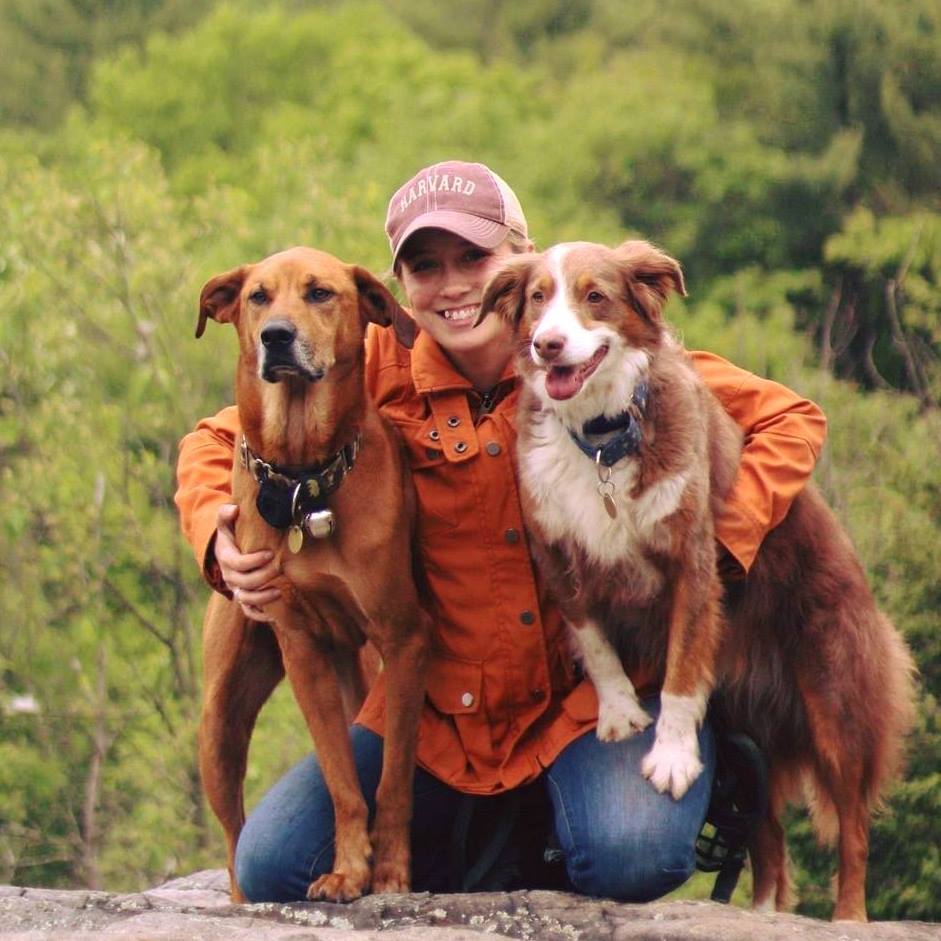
(316, 453)
(624, 457)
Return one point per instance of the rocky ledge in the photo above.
(197, 908)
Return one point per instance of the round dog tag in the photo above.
(295, 539)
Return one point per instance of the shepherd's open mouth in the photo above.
(563, 382)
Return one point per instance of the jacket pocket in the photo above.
(431, 473)
(454, 685)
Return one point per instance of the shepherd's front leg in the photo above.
(674, 763)
(620, 714)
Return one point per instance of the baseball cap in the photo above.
(467, 199)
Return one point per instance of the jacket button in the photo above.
(432, 453)
(527, 617)
(512, 536)
(433, 434)
(453, 421)
(538, 695)
(493, 448)
(467, 699)
(460, 447)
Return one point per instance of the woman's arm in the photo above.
(784, 434)
(207, 514)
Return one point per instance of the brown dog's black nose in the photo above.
(277, 334)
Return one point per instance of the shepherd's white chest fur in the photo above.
(563, 483)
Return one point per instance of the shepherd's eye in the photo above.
(317, 295)
(595, 297)
(258, 296)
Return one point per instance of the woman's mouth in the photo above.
(461, 315)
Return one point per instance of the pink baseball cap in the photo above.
(467, 199)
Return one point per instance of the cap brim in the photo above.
(482, 232)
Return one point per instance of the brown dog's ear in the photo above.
(650, 275)
(505, 292)
(379, 306)
(219, 298)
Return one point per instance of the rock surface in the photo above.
(197, 908)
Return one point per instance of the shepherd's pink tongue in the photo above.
(562, 382)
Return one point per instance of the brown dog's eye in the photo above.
(259, 296)
(538, 297)
(317, 295)
(595, 297)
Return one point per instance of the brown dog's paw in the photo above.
(391, 878)
(336, 887)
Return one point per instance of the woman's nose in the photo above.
(455, 283)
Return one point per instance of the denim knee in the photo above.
(265, 872)
(629, 871)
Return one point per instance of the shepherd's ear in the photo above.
(219, 297)
(650, 275)
(378, 305)
(505, 293)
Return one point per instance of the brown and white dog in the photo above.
(624, 457)
(315, 453)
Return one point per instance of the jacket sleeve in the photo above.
(784, 434)
(204, 483)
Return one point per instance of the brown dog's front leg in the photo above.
(317, 690)
(405, 661)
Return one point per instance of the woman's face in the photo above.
(444, 277)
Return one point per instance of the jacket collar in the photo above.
(433, 372)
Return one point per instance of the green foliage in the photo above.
(787, 153)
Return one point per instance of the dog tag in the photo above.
(295, 539)
(609, 505)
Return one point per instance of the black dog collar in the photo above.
(629, 435)
(285, 499)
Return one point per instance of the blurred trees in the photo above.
(788, 152)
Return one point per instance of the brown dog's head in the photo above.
(301, 311)
(584, 310)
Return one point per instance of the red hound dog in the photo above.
(320, 480)
(624, 457)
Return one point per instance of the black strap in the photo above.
(466, 876)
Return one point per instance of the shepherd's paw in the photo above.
(672, 767)
(620, 715)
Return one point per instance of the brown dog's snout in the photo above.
(549, 345)
(277, 335)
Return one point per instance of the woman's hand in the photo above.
(246, 575)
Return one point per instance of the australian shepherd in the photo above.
(624, 458)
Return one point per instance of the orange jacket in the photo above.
(503, 698)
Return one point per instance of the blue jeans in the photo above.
(619, 837)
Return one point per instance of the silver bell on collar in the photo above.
(319, 524)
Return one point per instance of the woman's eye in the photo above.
(318, 295)
(476, 255)
(424, 264)
(595, 297)
(258, 296)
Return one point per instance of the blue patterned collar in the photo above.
(629, 435)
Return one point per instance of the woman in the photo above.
(506, 710)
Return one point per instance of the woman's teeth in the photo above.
(461, 313)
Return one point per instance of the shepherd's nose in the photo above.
(549, 345)
(278, 333)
